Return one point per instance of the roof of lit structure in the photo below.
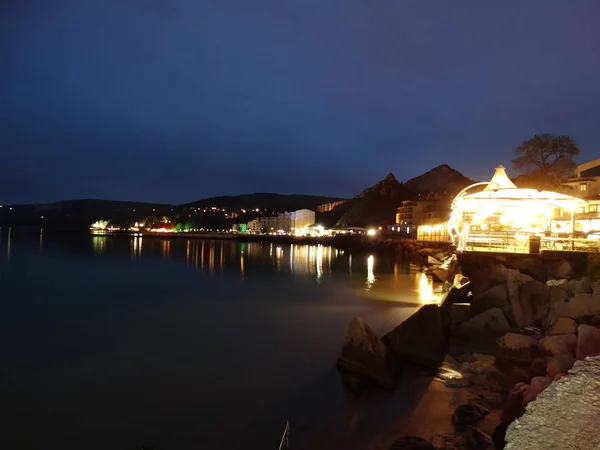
(501, 189)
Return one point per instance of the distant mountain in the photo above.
(375, 205)
(262, 200)
(80, 213)
(440, 180)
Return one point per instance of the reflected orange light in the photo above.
(425, 289)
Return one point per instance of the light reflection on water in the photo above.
(299, 295)
(381, 281)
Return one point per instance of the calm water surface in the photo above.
(119, 342)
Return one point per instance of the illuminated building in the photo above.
(301, 219)
(586, 185)
(253, 226)
(414, 213)
(503, 217)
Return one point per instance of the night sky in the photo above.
(172, 101)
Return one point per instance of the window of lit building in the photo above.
(582, 187)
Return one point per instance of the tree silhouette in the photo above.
(546, 159)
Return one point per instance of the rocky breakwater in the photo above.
(367, 359)
(510, 338)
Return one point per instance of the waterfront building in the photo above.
(300, 220)
(586, 184)
(253, 227)
(414, 213)
(502, 217)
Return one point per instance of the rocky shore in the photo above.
(513, 349)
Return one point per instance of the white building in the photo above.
(301, 219)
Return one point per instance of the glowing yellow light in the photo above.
(99, 225)
(370, 272)
(371, 232)
(425, 289)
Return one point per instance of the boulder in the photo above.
(411, 443)
(453, 315)
(498, 438)
(562, 344)
(559, 269)
(440, 275)
(563, 325)
(519, 375)
(538, 366)
(353, 382)
(433, 261)
(559, 364)
(456, 295)
(495, 297)
(495, 381)
(490, 321)
(596, 287)
(364, 354)
(580, 306)
(477, 439)
(420, 339)
(583, 286)
(518, 348)
(558, 376)
(537, 385)
(565, 416)
(588, 341)
(468, 414)
(535, 301)
(514, 407)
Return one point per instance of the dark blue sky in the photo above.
(177, 100)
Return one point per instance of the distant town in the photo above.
(420, 209)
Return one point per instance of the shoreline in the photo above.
(402, 248)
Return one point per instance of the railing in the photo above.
(507, 242)
(285, 439)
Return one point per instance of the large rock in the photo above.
(583, 286)
(559, 269)
(490, 321)
(514, 407)
(457, 295)
(588, 341)
(559, 364)
(411, 443)
(495, 297)
(468, 414)
(532, 266)
(477, 439)
(516, 348)
(535, 301)
(495, 381)
(596, 287)
(364, 354)
(564, 416)
(440, 275)
(536, 387)
(562, 344)
(539, 365)
(420, 339)
(580, 306)
(563, 325)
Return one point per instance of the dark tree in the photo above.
(546, 158)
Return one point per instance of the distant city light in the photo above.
(372, 232)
